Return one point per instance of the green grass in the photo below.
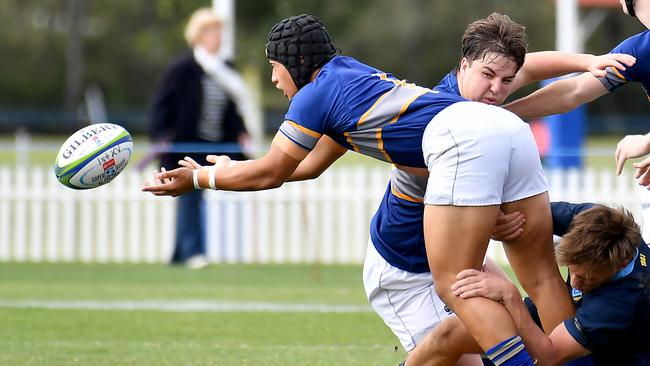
(35, 336)
(607, 146)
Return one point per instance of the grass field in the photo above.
(76, 314)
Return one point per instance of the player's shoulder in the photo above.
(329, 77)
(343, 70)
(638, 44)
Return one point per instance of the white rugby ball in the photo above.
(93, 156)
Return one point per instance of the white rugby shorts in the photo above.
(407, 302)
(480, 155)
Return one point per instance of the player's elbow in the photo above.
(273, 179)
(573, 101)
(315, 174)
(581, 91)
(274, 183)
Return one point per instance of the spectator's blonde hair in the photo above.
(200, 19)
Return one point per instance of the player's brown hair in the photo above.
(496, 35)
(600, 238)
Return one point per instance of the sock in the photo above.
(511, 352)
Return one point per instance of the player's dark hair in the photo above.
(302, 44)
(600, 238)
(495, 36)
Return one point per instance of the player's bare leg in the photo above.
(448, 342)
(533, 260)
(456, 239)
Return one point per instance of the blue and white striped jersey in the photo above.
(365, 110)
(396, 228)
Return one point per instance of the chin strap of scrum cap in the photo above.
(629, 4)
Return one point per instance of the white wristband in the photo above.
(212, 177)
(195, 178)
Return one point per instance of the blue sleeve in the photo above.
(563, 213)
(310, 113)
(637, 46)
(599, 319)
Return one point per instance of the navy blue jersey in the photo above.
(365, 110)
(639, 47)
(613, 320)
(396, 228)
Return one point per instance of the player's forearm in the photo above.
(537, 342)
(557, 97)
(549, 64)
(249, 175)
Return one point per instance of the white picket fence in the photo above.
(324, 220)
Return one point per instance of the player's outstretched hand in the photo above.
(643, 172)
(618, 60)
(473, 283)
(170, 183)
(631, 146)
(509, 227)
(219, 161)
(189, 163)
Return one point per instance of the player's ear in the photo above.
(464, 64)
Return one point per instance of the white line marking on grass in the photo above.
(192, 345)
(184, 306)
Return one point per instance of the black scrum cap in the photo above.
(302, 44)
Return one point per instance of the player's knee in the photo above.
(436, 341)
(443, 282)
(443, 335)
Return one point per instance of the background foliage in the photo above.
(125, 45)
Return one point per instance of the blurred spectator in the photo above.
(196, 103)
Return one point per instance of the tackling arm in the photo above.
(558, 97)
(549, 64)
(555, 349)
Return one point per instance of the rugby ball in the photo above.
(93, 156)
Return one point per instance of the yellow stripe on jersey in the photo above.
(305, 130)
(407, 104)
(380, 146)
(618, 73)
(365, 116)
(404, 196)
(349, 139)
(643, 260)
(395, 81)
